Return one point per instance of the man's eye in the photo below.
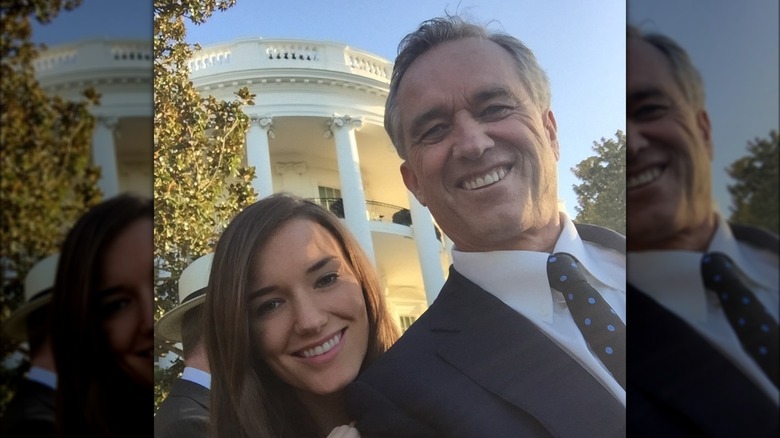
(649, 112)
(496, 111)
(327, 280)
(434, 134)
(268, 306)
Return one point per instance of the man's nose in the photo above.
(471, 137)
(636, 140)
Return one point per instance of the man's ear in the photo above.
(411, 182)
(551, 126)
(705, 128)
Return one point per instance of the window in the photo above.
(329, 192)
(330, 198)
(407, 321)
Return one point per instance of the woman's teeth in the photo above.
(322, 349)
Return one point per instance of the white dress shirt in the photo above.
(200, 377)
(673, 279)
(42, 376)
(519, 279)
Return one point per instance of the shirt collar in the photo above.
(42, 376)
(673, 278)
(200, 377)
(519, 278)
(724, 241)
(600, 269)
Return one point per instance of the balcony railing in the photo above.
(257, 54)
(376, 211)
(94, 54)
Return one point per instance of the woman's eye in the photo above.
(268, 306)
(111, 307)
(327, 280)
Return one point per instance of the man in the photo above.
(498, 353)
(31, 412)
(185, 411)
(688, 370)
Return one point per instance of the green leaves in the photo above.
(47, 180)
(754, 194)
(199, 181)
(602, 194)
(46, 177)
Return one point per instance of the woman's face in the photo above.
(307, 310)
(126, 301)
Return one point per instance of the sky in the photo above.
(735, 46)
(581, 45)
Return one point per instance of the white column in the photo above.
(342, 128)
(104, 155)
(427, 248)
(258, 155)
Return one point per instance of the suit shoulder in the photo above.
(757, 237)
(602, 236)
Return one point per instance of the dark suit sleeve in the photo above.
(29, 428)
(378, 417)
(183, 428)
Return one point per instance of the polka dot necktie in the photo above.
(601, 327)
(755, 328)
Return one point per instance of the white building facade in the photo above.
(121, 72)
(317, 131)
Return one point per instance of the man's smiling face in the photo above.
(481, 154)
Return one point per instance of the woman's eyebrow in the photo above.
(320, 263)
(314, 267)
(102, 294)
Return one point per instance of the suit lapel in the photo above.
(534, 374)
(192, 390)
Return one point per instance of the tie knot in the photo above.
(563, 269)
(716, 269)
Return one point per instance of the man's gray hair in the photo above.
(451, 28)
(684, 72)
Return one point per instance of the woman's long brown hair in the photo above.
(247, 399)
(94, 397)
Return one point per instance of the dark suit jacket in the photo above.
(471, 366)
(679, 385)
(31, 412)
(184, 413)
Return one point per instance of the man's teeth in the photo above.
(322, 349)
(643, 178)
(492, 177)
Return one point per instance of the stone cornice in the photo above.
(252, 61)
(94, 62)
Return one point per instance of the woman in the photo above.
(295, 312)
(102, 326)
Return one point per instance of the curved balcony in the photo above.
(375, 211)
(95, 60)
(264, 54)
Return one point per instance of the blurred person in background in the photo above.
(31, 412)
(102, 326)
(185, 411)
